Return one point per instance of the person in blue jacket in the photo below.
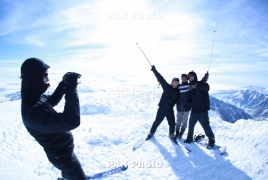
(51, 129)
(182, 105)
(167, 102)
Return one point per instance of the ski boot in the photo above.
(150, 135)
(173, 137)
(188, 140)
(181, 133)
(211, 143)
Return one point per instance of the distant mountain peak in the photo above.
(252, 99)
(256, 88)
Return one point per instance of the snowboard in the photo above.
(203, 142)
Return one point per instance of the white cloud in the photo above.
(34, 40)
(176, 36)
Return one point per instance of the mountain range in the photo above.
(226, 111)
(252, 100)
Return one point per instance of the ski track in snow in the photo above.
(111, 123)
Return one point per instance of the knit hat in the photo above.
(184, 75)
(176, 79)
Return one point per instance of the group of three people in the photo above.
(51, 129)
(189, 97)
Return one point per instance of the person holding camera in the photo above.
(51, 129)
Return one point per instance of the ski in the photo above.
(181, 146)
(105, 173)
(138, 144)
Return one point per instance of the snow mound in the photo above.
(89, 109)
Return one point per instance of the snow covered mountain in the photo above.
(261, 90)
(252, 101)
(226, 111)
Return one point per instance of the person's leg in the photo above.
(204, 121)
(178, 122)
(159, 118)
(70, 167)
(184, 119)
(171, 120)
(73, 170)
(192, 122)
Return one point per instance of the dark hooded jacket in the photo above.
(170, 95)
(199, 97)
(50, 128)
(183, 100)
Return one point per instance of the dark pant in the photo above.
(161, 114)
(204, 121)
(70, 167)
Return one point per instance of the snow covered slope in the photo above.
(116, 115)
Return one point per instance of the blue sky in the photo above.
(99, 38)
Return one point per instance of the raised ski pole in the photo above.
(144, 54)
(211, 51)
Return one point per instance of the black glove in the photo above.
(70, 78)
(192, 86)
(205, 78)
(62, 84)
(153, 68)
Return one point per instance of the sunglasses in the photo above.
(45, 74)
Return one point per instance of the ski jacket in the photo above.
(183, 100)
(170, 95)
(199, 97)
(51, 129)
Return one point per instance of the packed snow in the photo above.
(115, 114)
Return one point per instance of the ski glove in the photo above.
(205, 78)
(62, 84)
(70, 78)
(193, 86)
(153, 68)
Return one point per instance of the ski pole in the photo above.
(144, 54)
(211, 51)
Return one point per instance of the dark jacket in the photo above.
(183, 100)
(169, 96)
(199, 97)
(50, 128)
